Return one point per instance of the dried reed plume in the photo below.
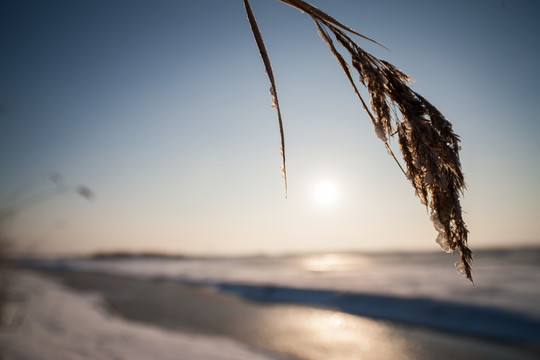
(429, 147)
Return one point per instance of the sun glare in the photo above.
(326, 192)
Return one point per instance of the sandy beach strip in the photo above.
(301, 331)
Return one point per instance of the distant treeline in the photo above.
(131, 255)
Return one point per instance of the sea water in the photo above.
(421, 288)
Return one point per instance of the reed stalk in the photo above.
(429, 147)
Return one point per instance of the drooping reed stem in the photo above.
(428, 144)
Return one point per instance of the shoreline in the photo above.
(297, 330)
(48, 321)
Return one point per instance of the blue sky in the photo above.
(162, 107)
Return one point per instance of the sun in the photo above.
(326, 192)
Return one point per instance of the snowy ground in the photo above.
(47, 321)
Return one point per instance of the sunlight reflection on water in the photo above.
(334, 262)
(324, 334)
(319, 334)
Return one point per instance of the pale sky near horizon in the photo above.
(162, 108)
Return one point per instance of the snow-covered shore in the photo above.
(47, 321)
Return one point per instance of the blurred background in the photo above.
(163, 110)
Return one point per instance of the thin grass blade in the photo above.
(273, 90)
(318, 14)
